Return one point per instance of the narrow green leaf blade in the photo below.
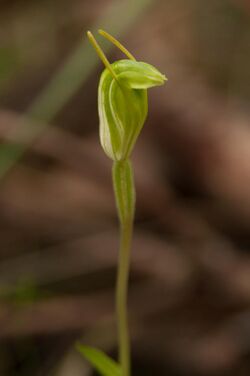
(100, 361)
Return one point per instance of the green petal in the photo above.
(139, 75)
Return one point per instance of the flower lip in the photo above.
(159, 79)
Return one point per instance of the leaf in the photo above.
(100, 361)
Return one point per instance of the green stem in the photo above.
(121, 299)
(125, 201)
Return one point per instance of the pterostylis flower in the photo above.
(123, 108)
(122, 100)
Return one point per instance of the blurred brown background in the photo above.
(190, 280)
